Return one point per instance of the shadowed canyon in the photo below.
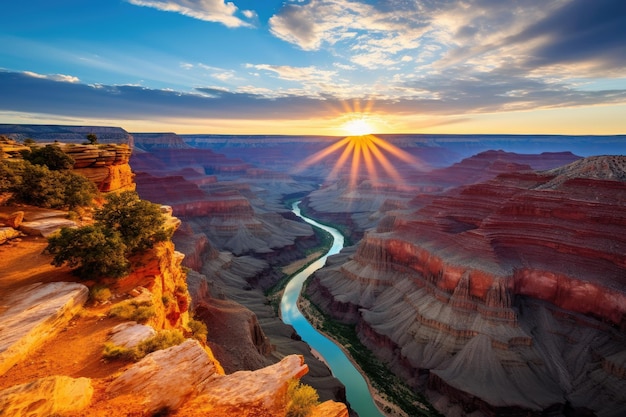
(488, 273)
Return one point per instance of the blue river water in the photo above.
(356, 388)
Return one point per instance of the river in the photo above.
(356, 388)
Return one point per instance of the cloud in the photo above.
(445, 94)
(301, 74)
(53, 77)
(207, 10)
(578, 32)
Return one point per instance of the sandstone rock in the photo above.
(130, 334)
(261, 392)
(47, 396)
(166, 378)
(330, 409)
(34, 313)
(8, 233)
(14, 219)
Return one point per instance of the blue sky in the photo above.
(311, 66)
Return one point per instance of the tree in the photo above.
(30, 142)
(140, 223)
(8, 176)
(51, 156)
(92, 139)
(95, 250)
(39, 186)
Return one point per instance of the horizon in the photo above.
(317, 68)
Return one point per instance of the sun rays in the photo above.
(365, 157)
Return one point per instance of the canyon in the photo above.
(490, 279)
(500, 297)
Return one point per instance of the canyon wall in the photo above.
(502, 298)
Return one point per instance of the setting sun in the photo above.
(357, 127)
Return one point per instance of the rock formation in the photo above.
(106, 165)
(34, 313)
(360, 208)
(506, 296)
(53, 395)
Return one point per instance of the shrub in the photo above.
(40, 186)
(99, 293)
(199, 330)
(140, 312)
(51, 156)
(162, 340)
(96, 251)
(139, 222)
(302, 398)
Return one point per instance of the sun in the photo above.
(359, 126)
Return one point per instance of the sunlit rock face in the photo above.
(106, 165)
(502, 297)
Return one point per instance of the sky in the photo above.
(319, 67)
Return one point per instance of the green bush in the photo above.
(301, 399)
(140, 312)
(42, 187)
(199, 330)
(94, 250)
(139, 222)
(50, 156)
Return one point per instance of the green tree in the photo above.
(9, 176)
(29, 142)
(92, 139)
(51, 156)
(40, 186)
(95, 250)
(139, 222)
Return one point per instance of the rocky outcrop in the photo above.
(251, 393)
(47, 396)
(179, 371)
(106, 165)
(32, 314)
(506, 296)
(159, 271)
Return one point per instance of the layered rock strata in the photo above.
(362, 206)
(507, 296)
(34, 313)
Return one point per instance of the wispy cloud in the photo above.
(53, 77)
(208, 10)
(447, 94)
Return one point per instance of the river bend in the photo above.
(357, 391)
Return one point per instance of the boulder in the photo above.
(14, 219)
(180, 371)
(34, 313)
(130, 334)
(250, 393)
(47, 396)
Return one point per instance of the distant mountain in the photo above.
(67, 134)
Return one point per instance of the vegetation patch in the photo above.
(301, 399)
(139, 311)
(162, 340)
